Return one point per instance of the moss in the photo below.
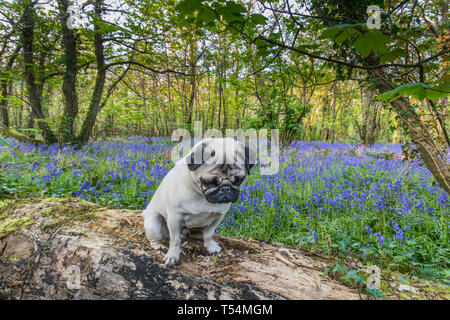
(13, 257)
(19, 136)
(424, 289)
(55, 212)
(52, 224)
(12, 225)
(5, 204)
(47, 212)
(50, 200)
(65, 211)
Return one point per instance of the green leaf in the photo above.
(373, 40)
(350, 275)
(347, 34)
(258, 18)
(337, 267)
(403, 280)
(430, 273)
(418, 91)
(362, 45)
(343, 246)
(206, 15)
(235, 8)
(189, 6)
(106, 27)
(375, 292)
(439, 91)
(261, 43)
(231, 12)
(3, 141)
(333, 32)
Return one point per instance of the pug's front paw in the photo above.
(212, 247)
(171, 261)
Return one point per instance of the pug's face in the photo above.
(219, 167)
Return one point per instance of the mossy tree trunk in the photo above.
(34, 86)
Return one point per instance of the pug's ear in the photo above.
(250, 158)
(195, 158)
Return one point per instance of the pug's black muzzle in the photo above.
(223, 195)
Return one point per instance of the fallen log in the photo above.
(19, 136)
(72, 249)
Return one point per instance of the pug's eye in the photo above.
(239, 180)
(213, 153)
(212, 181)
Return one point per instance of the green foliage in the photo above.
(347, 275)
(419, 91)
(371, 41)
(375, 292)
(281, 111)
(344, 31)
(206, 15)
(194, 11)
(258, 18)
(361, 39)
(3, 142)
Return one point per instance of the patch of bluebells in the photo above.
(122, 173)
(344, 191)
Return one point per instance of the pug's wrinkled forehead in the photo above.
(216, 151)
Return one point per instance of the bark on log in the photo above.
(72, 249)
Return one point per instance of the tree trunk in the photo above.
(94, 106)
(20, 123)
(433, 158)
(5, 87)
(66, 129)
(219, 110)
(368, 128)
(224, 95)
(4, 103)
(374, 124)
(193, 82)
(144, 105)
(34, 89)
(325, 132)
(333, 112)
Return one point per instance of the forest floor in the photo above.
(42, 242)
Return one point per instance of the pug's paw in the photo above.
(212, 247)
(171, 261)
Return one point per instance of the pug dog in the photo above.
(197, 193)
